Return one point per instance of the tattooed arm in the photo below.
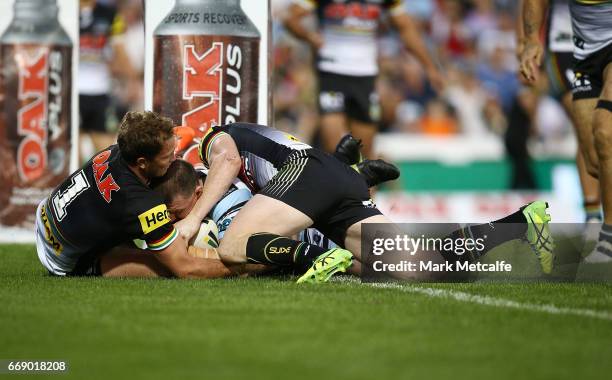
(532, 13)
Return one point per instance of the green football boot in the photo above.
(538, 233)
(332, 261)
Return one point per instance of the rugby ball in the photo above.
(207, 236)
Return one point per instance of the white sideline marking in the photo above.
(495, 302)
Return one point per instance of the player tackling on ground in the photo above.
(108, 202)
(297, 187)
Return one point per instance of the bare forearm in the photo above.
(533, 17)
(243, 270)
(235, 269)
(206, 268)
(191, 266)
(531, 50)
(182, 264)
(222, 173)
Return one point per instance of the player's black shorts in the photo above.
(93, 111)
(560, 72)
(331, 193)
(354, 96)
(588, 81)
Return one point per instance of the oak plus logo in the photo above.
(213, 77)
(32, 114)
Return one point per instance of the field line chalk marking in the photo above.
(495, 302)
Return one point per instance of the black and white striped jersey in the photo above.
(263, 150)
(559, 27)
(349, 29)
(591, 21)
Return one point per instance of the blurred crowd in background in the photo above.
(474, 42)
(111, 68)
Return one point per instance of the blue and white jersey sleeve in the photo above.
(226, 209)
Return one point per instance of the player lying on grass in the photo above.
(108, 201)
(83, 227)
(182, 186)
(297, 187)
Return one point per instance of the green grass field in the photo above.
(273, 328)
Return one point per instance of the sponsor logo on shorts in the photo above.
(581, 83)
(331, 101)
(49, 237)
(368, 204)
(154, 218)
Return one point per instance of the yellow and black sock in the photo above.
(266, 248)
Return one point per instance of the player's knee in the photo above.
(589, 154)
(592, 168)
(233, 250)
(606, 91)
(591, 161)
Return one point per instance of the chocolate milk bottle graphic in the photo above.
(35, 88)
(206, 65)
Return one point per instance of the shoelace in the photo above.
(541, 240)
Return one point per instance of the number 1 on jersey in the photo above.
(62, 199)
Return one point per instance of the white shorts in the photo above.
(49, 257)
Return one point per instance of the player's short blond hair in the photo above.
(143, 134)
